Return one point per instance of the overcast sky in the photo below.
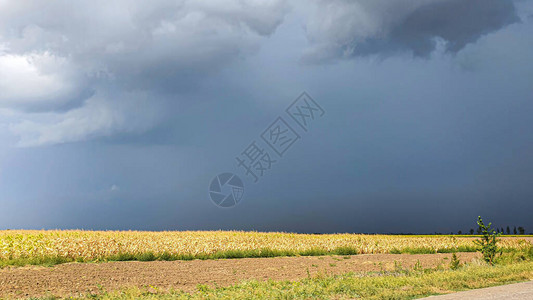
(116, 115)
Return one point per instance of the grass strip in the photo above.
(229, 254)
(150, 256)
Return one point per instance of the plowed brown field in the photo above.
(75, 278)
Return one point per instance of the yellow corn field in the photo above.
(94, 245)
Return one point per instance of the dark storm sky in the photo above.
(116, 115)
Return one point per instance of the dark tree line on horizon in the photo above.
(515, 231)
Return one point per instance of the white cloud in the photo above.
(78, 64)
(97, 118)
(37, 82)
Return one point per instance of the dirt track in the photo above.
(517, 291)
(75, 279)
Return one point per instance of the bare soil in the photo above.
(75, 279)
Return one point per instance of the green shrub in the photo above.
(455, 263)
(488, 242)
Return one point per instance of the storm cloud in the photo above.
(118, 114)
(344, 28)
(72, 71)
(93, 66)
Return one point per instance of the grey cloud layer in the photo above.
(92, 66)
(71, 71)
(344, 28)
